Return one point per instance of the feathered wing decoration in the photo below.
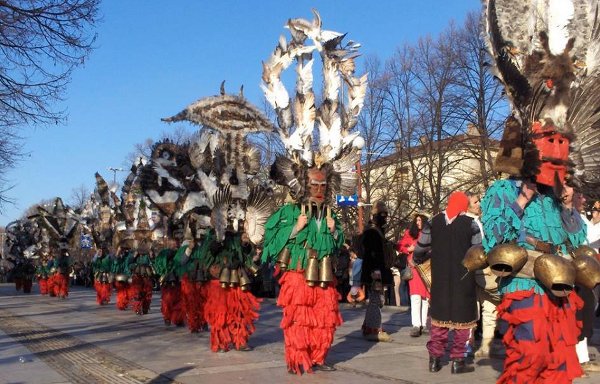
(302, 122)
(219, 214)
(547, 55)
(584, 116)
(259, 207)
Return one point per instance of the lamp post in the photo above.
(114, 171)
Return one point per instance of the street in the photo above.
(45, 340)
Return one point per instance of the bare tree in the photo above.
(41, 44)
(485, 106)
(79, 197)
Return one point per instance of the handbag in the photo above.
(406, 273)
(424, 270)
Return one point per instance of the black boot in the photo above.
(459, 366)
(434, 364)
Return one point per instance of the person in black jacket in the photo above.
(376, 275)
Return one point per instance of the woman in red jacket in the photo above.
(419, 294)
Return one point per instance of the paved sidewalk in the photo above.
(76, 341)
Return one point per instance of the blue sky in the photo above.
(153, 58)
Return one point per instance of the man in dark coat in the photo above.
(376, 273)
(453, 295)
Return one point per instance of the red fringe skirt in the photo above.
(193, 294)
(230, 313)
(541, 338)
(310, 318)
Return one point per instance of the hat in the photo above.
(458, 202)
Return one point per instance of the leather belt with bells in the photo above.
(541, 246)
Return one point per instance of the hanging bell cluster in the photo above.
(237, 277)
(318, 271)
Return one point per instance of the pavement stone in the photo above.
(77, 341)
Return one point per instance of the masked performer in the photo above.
(546, 56)
(239, 208)
(304, 235)
(42, 272)
(62, 267)
(165, 266)
(121, 275)
(101, 264)
(140, 288)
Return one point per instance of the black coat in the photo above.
(377, 254)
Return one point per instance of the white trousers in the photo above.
(582, 351)
(419, 309)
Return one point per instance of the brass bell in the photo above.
(584, 250)
(587, 271)
(245, 281)
(555, 273)
(506, 259)
(325, 271)
(224, 277)
(284, 259)
(234, 279)
(311, 273)
(475, 258)
(253, 269)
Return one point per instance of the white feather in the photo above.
(163, 173)
(209, 185)
(305, 77)
(560, 13)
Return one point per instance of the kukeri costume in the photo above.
(546, 54)
(103, 279)
(225, 165)
(303, 236)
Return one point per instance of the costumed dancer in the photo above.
(303, 236)
(121, 273)
(194, 277)
(165, 266)
(546, 55)
(42, 273)
(140, 287)
(62, 265)
(101, 269)
(239, 208)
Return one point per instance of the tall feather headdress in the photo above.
(315, 134)
(547, 55)
(226, 175)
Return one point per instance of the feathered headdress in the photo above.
(302, 125)
(225, 163)
(547, 55)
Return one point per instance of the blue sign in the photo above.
(346, 201)
(86, 241)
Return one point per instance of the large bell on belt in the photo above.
(234, 278)
(475, 258)
(584, 250)
(506, 259)
(284, 259)
(224, 277)
(325, 271)
(587, 271)
(245, 281)
(555, 273)
(311, 273)
(200, 275)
